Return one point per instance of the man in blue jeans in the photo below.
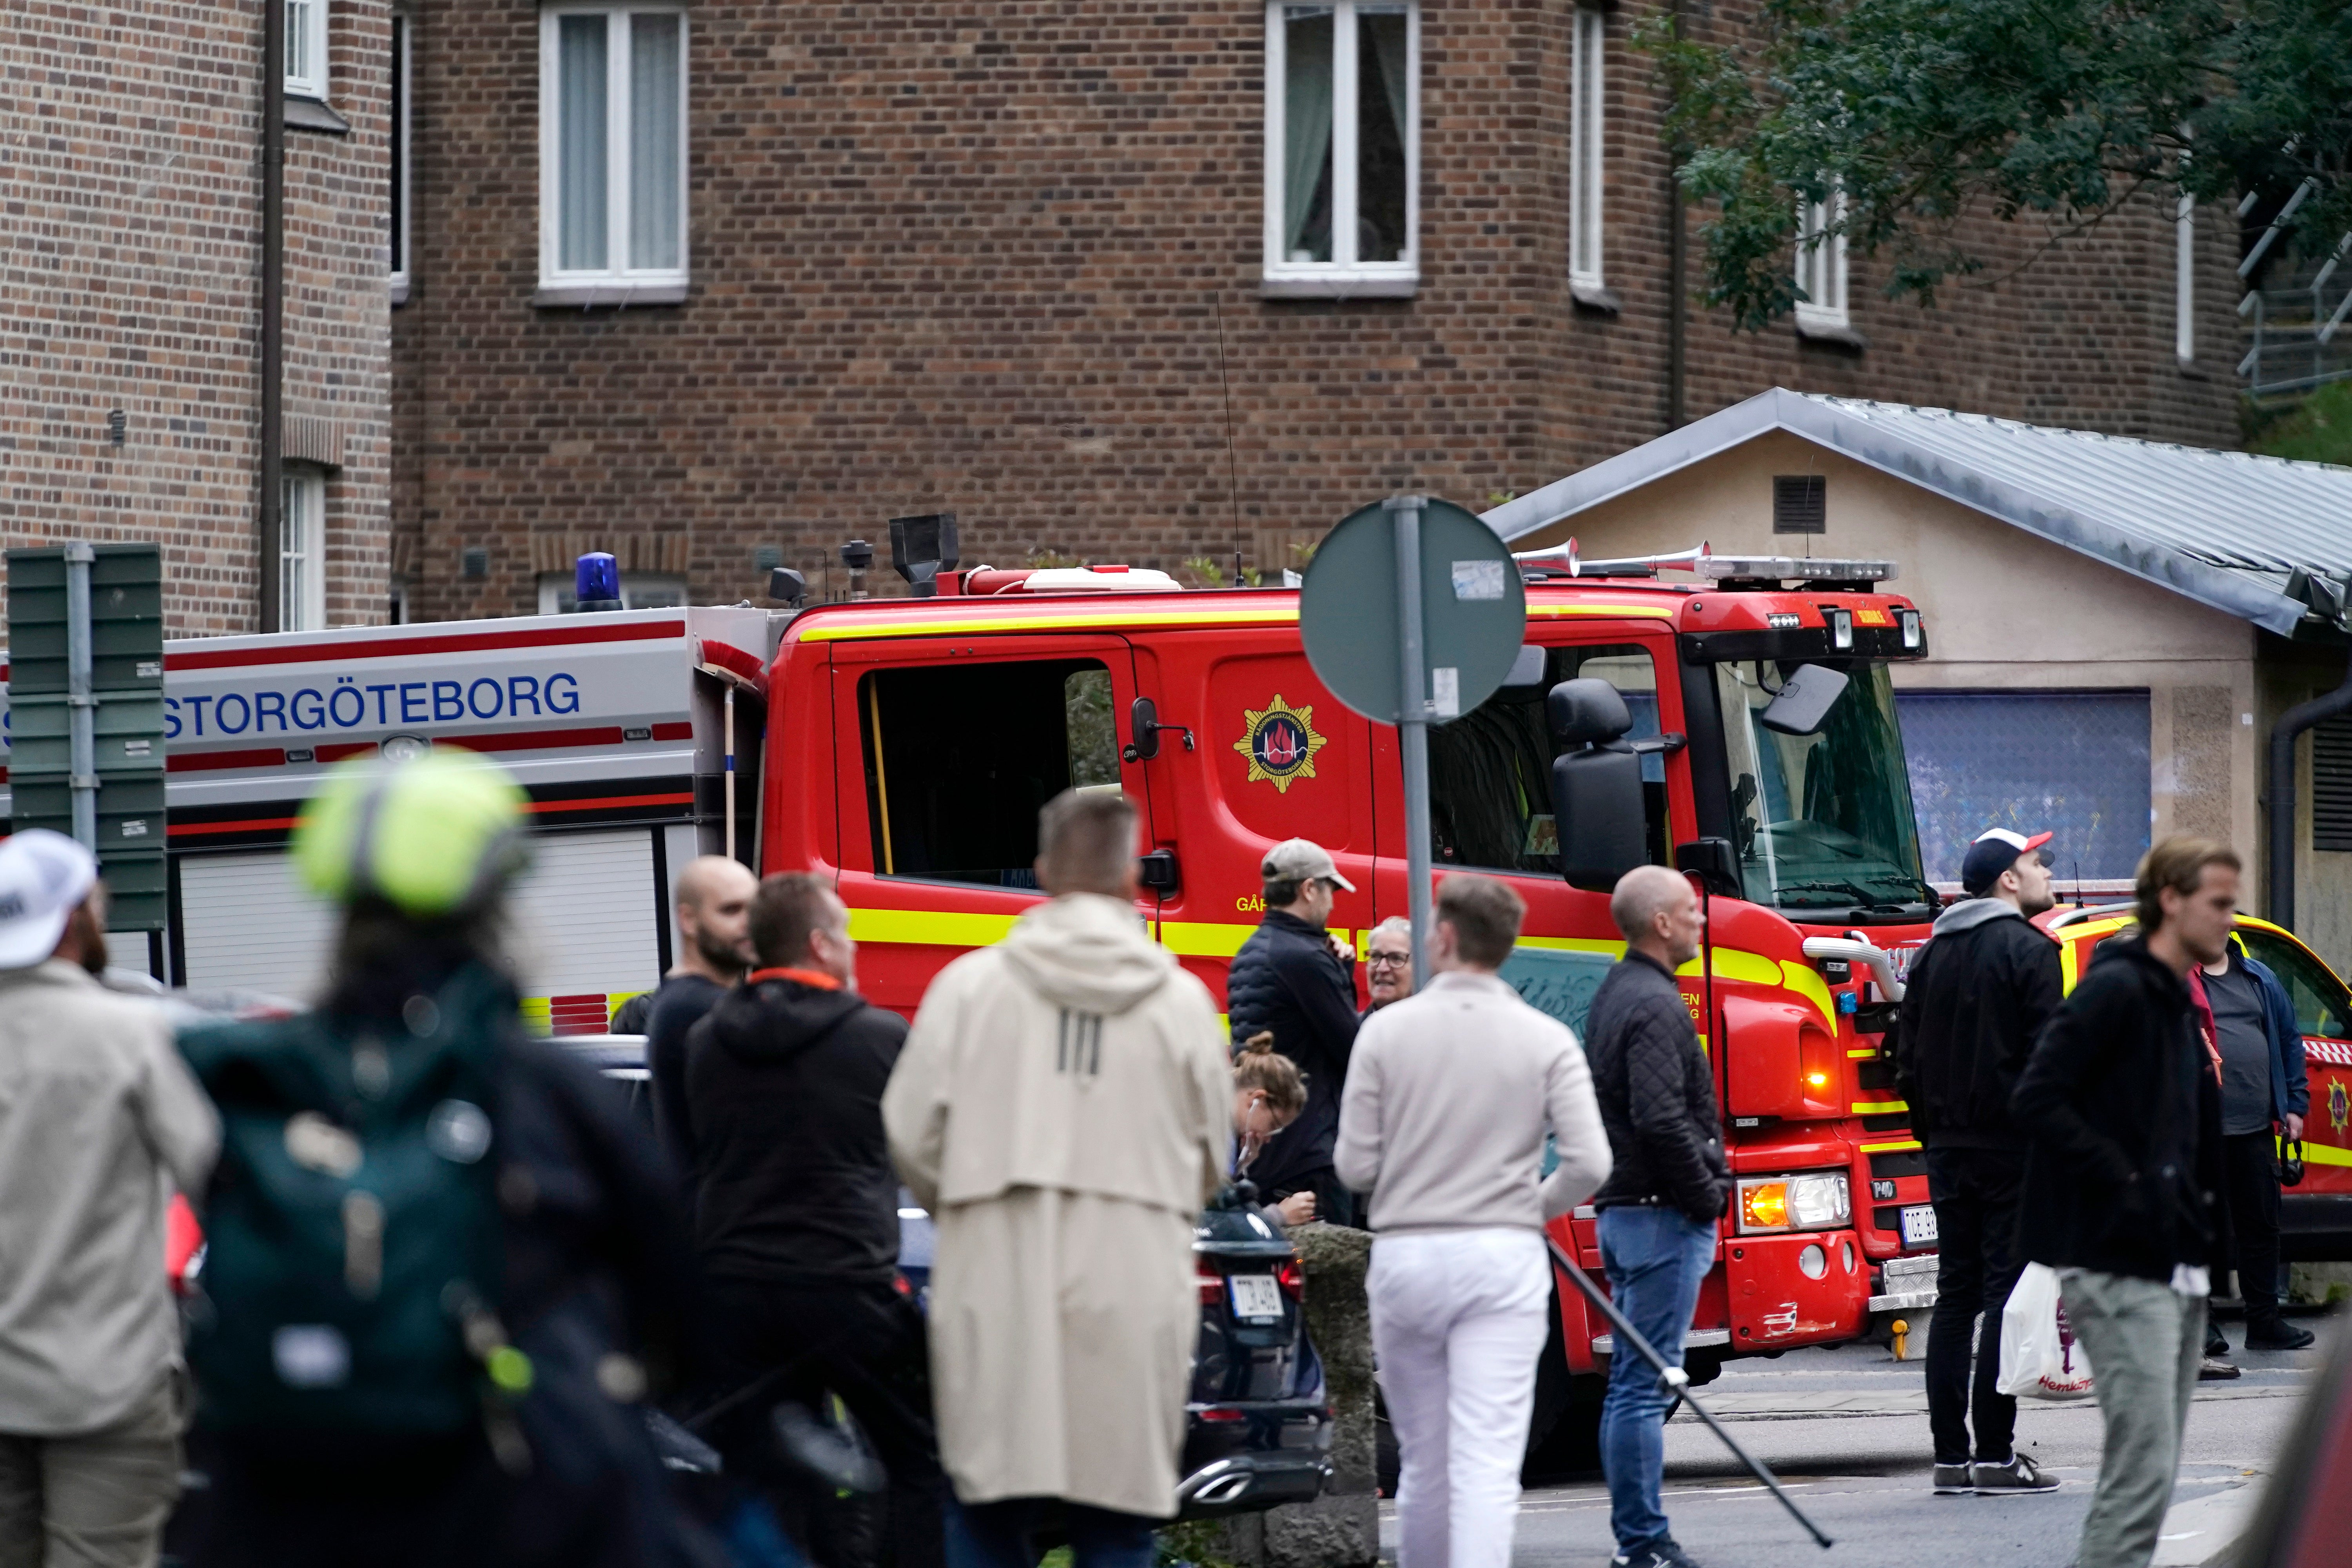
(1665, 1193)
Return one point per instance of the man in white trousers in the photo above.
(1449, 1096)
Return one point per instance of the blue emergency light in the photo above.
(597, 582)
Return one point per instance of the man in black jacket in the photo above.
(2123, 1112)
(1667, 1187)
(796, 1205)
(1296, 980)
(1979, 991)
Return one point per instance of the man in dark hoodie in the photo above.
(1979, 991)
(1295, 980)
(2124, 1118)
(796, 1206)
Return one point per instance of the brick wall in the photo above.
(130, 278)
(1005, 261)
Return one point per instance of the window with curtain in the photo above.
(2184, 280)
(400, 80)
(1821, 263)
(306, 48)
(302, 549)
(1586, 126)
(1342, 143)
(612, 144)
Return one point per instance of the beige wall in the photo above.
(2003, 608)
(2322, 880)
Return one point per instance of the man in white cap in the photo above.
(1296, 980)
(97, 1113)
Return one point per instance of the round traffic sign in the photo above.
(1473, 612)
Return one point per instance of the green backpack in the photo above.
(352, 1227)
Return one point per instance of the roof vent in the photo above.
(1799, 503)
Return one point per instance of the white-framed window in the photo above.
(1587, 126)
(639, 591)
(1821, 264)
(2184, 280)
(1342, 147)
(612, 143)
(303, 548)
(306, 48)
(401, 27)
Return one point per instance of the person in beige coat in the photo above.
(1061, 1109)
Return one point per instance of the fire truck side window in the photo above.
(958, 758)
(1490, 770)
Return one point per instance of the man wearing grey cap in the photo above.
(1296, 980)
(97, 1113)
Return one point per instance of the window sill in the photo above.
(1834, 334)
(2191, 371)
(398, 289)
(1595, 298)
(307, 113)
(1339, 285)
(587, 296)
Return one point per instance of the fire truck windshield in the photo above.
(1822, 821)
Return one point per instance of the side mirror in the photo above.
(1805, 699)
(1714, 862)
(1596, 786)
(1143, 731)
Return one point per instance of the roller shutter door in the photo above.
(583, 924)
(247, 923)
(2073, 762)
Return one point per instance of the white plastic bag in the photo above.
(2040, 1357)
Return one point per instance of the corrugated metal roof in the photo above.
(2223, 528)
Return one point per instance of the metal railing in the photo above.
(2297, 332)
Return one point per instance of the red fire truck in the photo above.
(911, 742)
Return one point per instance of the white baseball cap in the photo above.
(44, 878)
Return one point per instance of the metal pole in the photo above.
(1677, 1382)
(1412, 728)
(731, 770)
(82, 730)
(271, 546)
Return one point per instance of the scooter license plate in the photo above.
(1254, 1295)
(1918, 1223)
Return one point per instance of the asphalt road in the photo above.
(1846, 1431)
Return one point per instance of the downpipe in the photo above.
(2280, 883)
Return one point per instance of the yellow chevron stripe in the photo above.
(1905, 1146)
(1207, 939)
(930, 928)
(1562, 612)
(2326, 1154)
(1878, 1107)
(857, 629)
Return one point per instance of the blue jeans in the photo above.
(1655, 1258)
(1004, 1534)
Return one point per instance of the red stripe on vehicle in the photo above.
(255, 825)
(401, 647)
(683, 797)
(534, 740)
(679, 730)
(200, 762)
(337, 751)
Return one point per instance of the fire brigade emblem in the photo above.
(1279, 743)
(2339, 1108)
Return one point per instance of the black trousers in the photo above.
(2250, 1197)
(864, 1344)
(1976, 1194)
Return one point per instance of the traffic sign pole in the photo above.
(1412, 728)
(81, 708)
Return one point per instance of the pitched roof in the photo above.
(2223, 528)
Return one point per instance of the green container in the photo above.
(127, 730)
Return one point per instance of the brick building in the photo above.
(713, 284)
(129, 295)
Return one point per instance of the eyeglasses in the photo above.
(1394, 960)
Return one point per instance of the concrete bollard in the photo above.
(1342, 1529)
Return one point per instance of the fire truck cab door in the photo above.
(948, 747)
(1491, 810)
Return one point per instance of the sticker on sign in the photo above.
(1445, 691)
(1479, 579)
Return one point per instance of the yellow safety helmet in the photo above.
(434, 835)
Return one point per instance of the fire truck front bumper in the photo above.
(1906, 1284)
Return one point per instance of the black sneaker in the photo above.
(2278, 1335)
(1955, 1480)
(2020, 1474)
(1653, 1555)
